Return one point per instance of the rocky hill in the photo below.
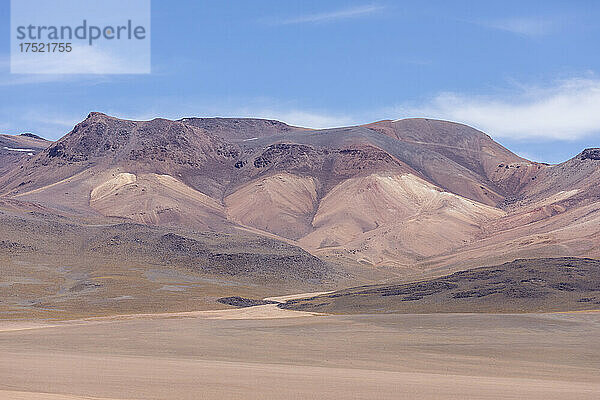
(554, 284)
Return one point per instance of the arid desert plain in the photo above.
(268, 353)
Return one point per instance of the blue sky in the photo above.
(527, 73)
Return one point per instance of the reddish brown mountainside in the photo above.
(14, 148)
(414, 193)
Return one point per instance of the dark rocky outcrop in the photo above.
(590, 154)
(242, 302)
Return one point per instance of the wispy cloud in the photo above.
(16, 80)
(52, 76)
(83, 64)
(526, 26)
(82, 59)
(567, 110)
(8, 79)
(330, 16)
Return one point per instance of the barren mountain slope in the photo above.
(157, 200)
(485, 169)
(283, 204)
(556, 214)
(571, 232)
(14, 148)
(415, 193)
(395, 219)
(569, 184)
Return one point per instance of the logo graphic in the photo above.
(80, 36)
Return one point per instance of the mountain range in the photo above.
(390, 199)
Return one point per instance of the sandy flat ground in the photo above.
(259, 356)
(267, 311)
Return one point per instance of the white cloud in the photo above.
(569, 110)
(83, 59)
(29, 79)
(352, 12)
(86, 66)
(534, 26)
(7, 79)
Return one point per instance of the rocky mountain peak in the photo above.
(590, 154)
